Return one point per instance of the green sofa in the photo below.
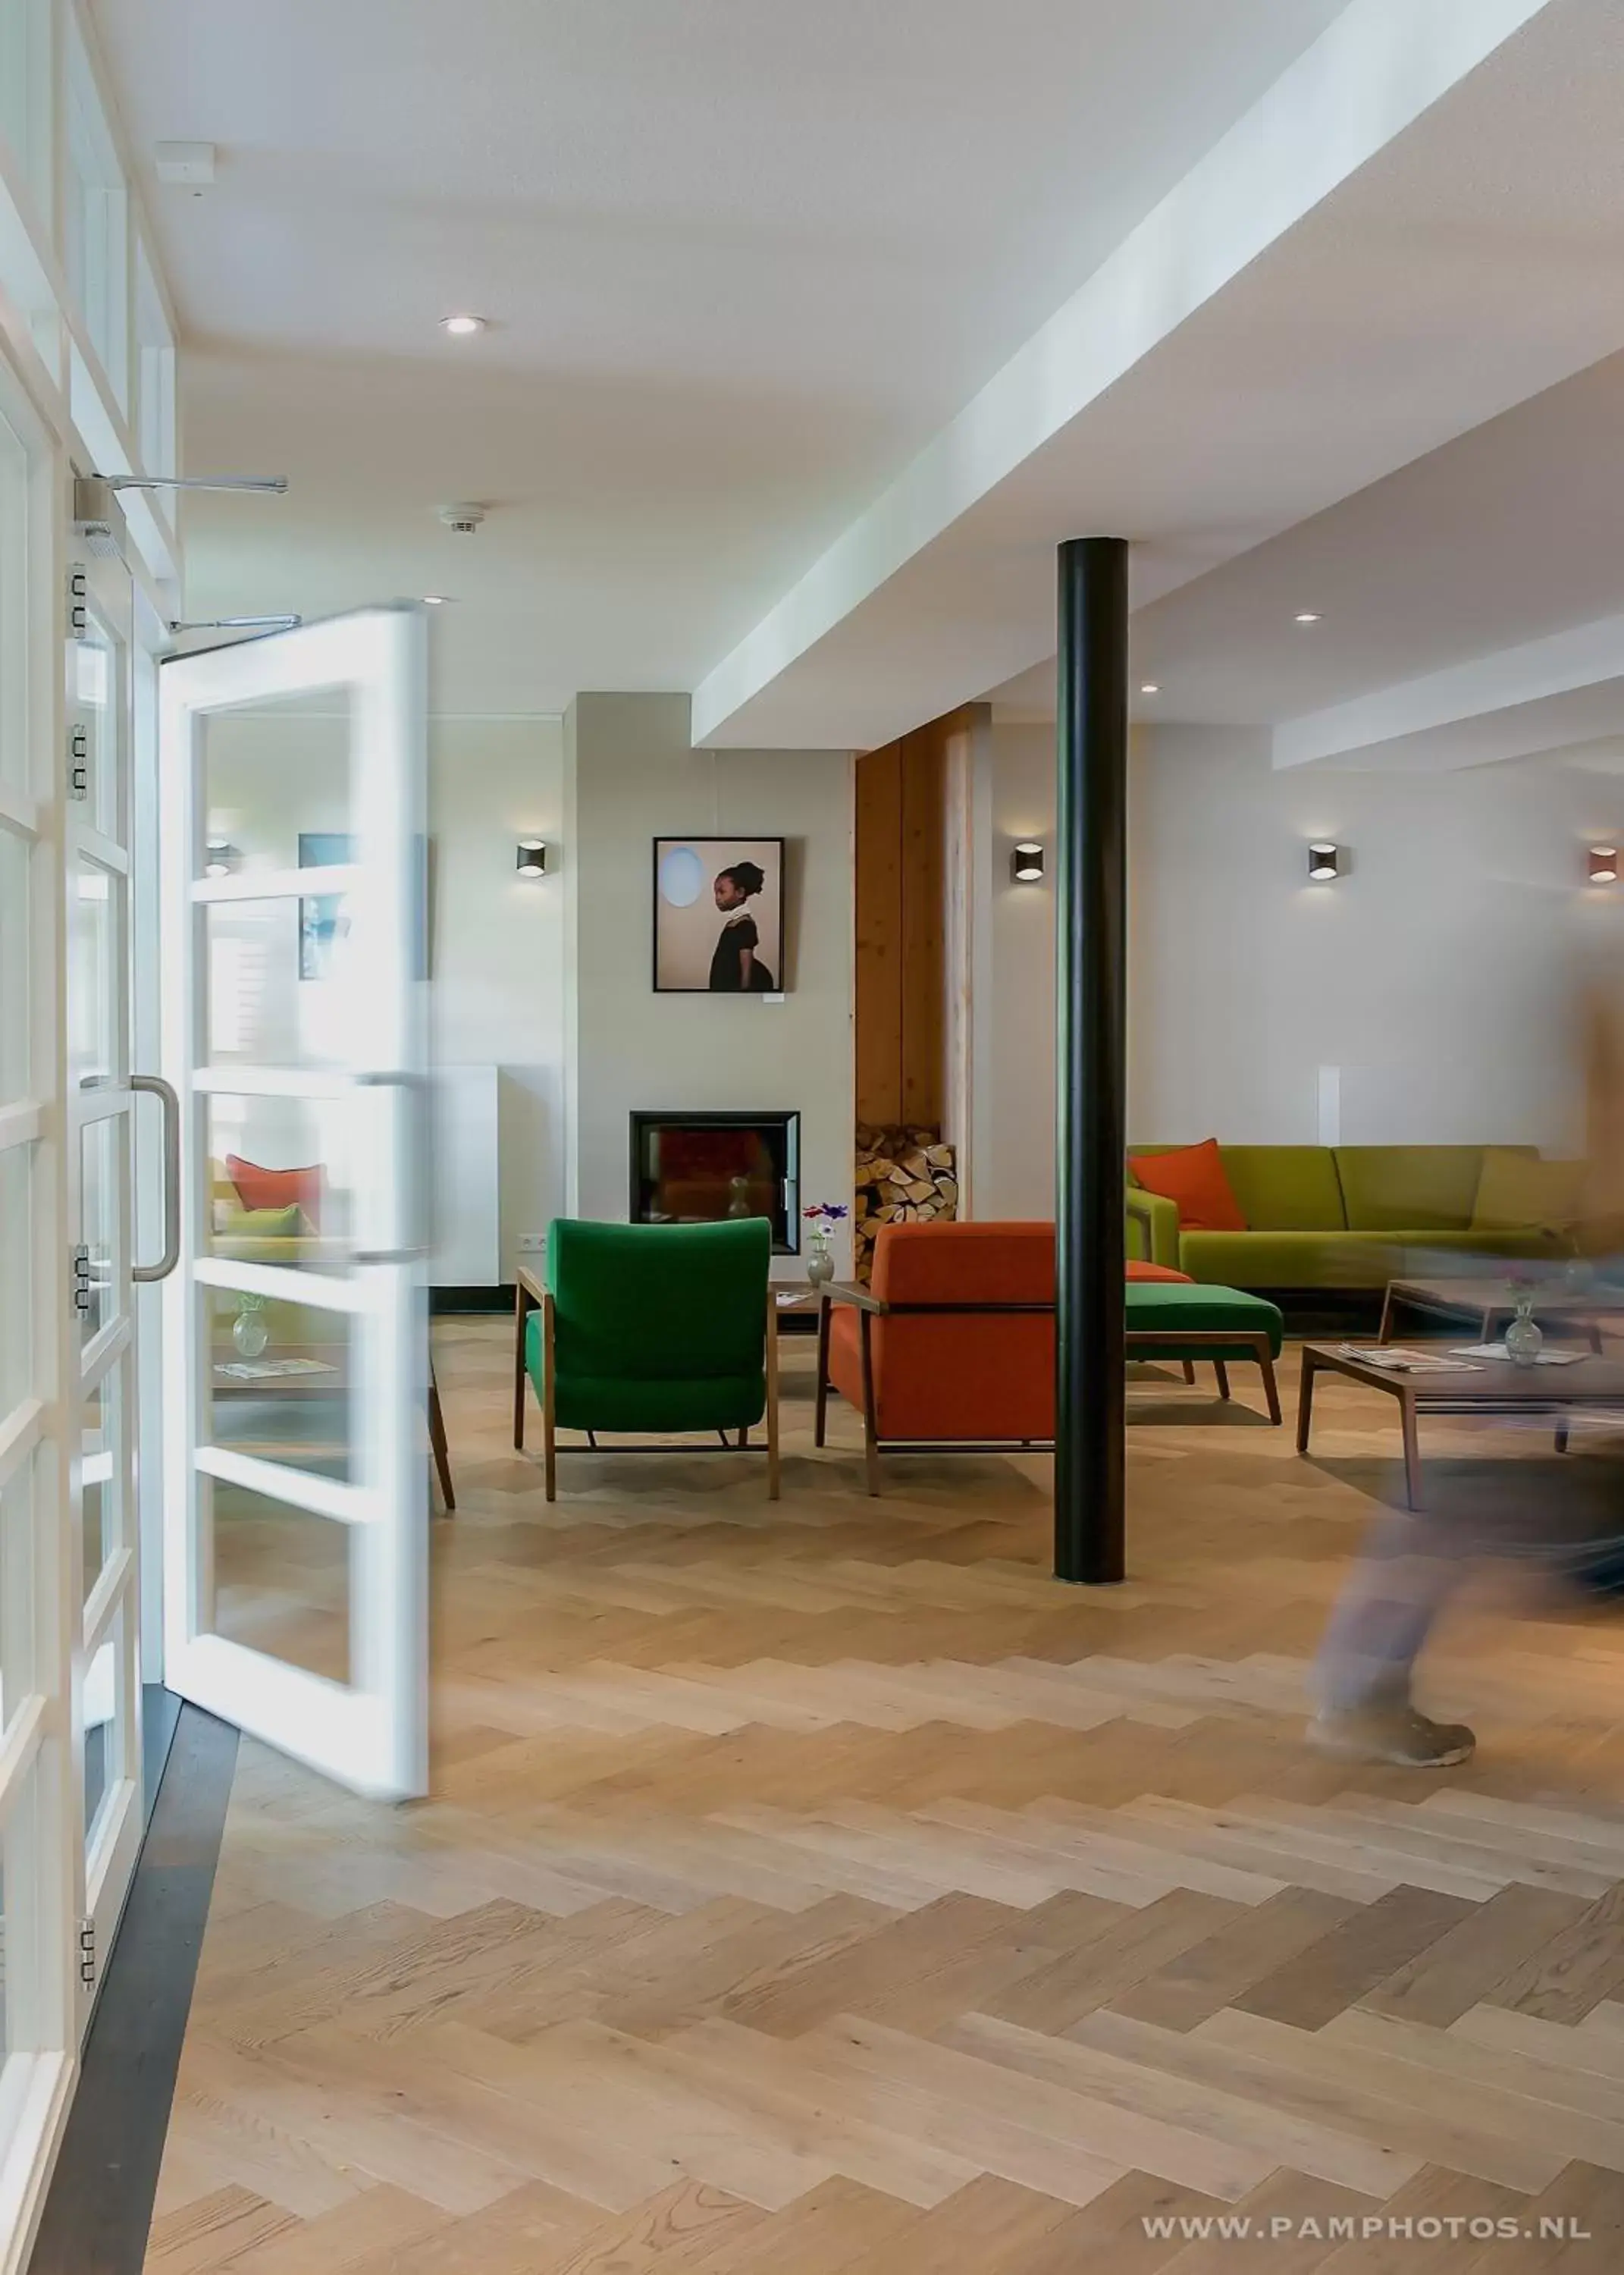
(1335, 1217)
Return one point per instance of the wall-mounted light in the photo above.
(219, 857)
(532, 857)
(1602, 864)
(1026, 862)
(1324, 863)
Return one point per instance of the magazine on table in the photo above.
(1541, 1358)
(1394, 1358)
(271, 1370)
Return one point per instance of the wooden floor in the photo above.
(819, 1889)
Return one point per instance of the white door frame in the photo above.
(40, 1822)
(370, 1733)
(106, 1690)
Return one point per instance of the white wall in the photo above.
(498, 945)
(1441, 976)
(1012, 1174)
(630, 776)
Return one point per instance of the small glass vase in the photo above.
(249, 1331)
(819, 1260)
(1524, 1337)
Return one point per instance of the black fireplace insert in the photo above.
(703, 1168)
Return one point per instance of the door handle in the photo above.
(155, 1086)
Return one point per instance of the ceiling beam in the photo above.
(1376, 70)
(1540, 696)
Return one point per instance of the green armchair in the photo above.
(652, 1329)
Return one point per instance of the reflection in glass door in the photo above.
(295, 1563)
(106, 1692)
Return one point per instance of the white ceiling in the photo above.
(741, 257)
(749, 264)
(1506, 534)
(1421, 237)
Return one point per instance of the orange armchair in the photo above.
(954, 1343)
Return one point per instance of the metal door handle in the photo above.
(156, 1087)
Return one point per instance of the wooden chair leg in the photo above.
(520, 1310)
(550, 1414)
(871, 1432)
(744, 1439)
(1190, 1372)
(437, 1442)
(820, 1425)
(871, 1460)
(772, 1399)
(1222, 1373)
(1561, 1437)
(1305, 1404)
(1271, 1388)
(1412, 1453)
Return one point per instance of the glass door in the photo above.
(296, 1350)
(106, 1672)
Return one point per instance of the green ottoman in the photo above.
(1178, 1323)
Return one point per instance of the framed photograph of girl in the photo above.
(719, 916)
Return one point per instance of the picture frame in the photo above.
(319, 914)
(719, 916)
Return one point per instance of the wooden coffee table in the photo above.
(1491, 1386)
(1490, 1305)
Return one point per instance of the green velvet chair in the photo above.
(654, 1329)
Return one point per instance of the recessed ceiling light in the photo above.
(433, 599)
(1307, 617)
(1150, 687)
(460, 326)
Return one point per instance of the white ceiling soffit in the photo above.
(1414, 229)
(1563, 689)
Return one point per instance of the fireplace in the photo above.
(703, 1168)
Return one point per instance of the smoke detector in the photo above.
(465, 519)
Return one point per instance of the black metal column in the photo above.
(1091, 1133)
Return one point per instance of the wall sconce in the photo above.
(532, 857)
(219, 858)
(1603, 865)
(1026, 863)
(1324, 863)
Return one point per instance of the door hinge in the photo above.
(87, 1954)
(80, 1258)
(79, 763)
(79, 601)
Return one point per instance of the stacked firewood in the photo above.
(904, 1175)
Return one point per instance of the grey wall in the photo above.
(630, 777)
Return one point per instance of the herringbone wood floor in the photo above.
(819, 1887)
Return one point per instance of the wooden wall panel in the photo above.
(923, 989)
(878, 990)
(903, 986)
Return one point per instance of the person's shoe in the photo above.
(1395, 1734)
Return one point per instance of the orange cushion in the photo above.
(1195, 1177)
(1137, 1270)
(262, 1188)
